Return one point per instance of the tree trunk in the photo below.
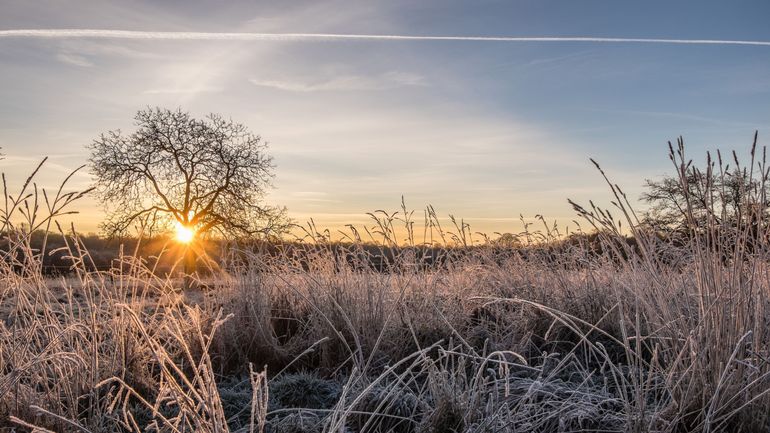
(190, 267)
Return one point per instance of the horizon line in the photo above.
(255, 36)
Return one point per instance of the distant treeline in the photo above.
(164, 255)
(93, 252)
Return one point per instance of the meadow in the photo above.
(622, 327)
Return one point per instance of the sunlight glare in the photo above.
(184, 234)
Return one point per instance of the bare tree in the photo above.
(722, 193)
(203, 175)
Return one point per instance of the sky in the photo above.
(484, 130)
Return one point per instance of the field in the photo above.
(619, 329)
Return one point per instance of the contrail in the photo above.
(251, 36)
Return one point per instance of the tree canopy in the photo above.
(208, 175)
(723, 193)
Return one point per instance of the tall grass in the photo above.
(410, 326)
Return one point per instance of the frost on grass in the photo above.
(304, 391)
(662, 332)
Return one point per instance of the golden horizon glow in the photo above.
(184, 234)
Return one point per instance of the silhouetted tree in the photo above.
(207, 175)
(507, 240)
(721, 194)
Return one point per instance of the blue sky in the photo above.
(484, 130)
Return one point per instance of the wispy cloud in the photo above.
(80, 52)
(92, 48)
(254, 36)
(74, 59)
(345, 82)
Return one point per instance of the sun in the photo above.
(184, 234)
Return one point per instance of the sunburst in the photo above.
(184, 234)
